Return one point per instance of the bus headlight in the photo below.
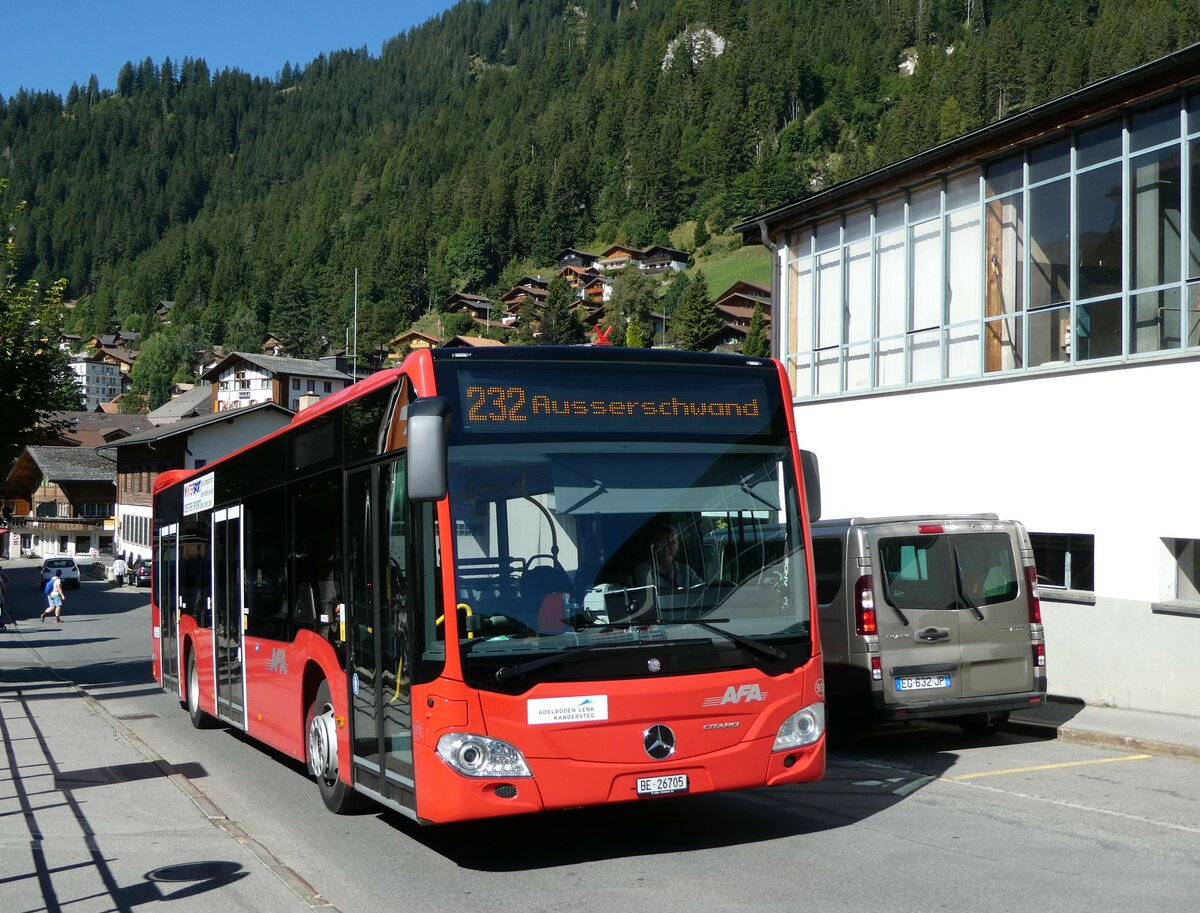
(801, 728)
(478, 756)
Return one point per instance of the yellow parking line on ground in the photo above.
(1022, 770)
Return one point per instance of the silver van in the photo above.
(934, 616)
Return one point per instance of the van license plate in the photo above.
(661, 786)
(921, 682)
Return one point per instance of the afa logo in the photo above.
(737, 694)
(277, 661)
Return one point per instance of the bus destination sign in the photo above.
(637, 402)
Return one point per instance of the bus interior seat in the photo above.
(543, 593)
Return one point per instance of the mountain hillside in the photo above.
(480, 143)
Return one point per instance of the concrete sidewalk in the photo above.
(92, 819)
(1138, 730)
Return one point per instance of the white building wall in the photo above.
(212, 442)
(1107, 452)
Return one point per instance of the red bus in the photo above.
(506, 580)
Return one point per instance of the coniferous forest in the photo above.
(484, 141)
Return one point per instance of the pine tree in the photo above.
(757, 343)
(697, 317)
(560, 325)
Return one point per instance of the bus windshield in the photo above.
(614, 559)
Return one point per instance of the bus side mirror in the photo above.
(428, 424)
(812, 483)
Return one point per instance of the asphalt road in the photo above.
(915, 817)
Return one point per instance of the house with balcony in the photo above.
(59, 501)
(244, 379)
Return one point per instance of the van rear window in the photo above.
(948, 571)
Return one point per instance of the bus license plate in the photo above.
(662, 786)
(921, 682)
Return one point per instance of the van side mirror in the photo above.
(428, 425)
(812, 483)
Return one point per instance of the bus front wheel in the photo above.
(321, 742)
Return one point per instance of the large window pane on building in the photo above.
(890, 283)
(858, 291)
(963, 190)
(925, 202)
(889, 362)
(1050, 244)
(1098, 223)
(799, 338)
(926, 241)
(1005, 255)
(1098, 330)
(963, 268)
(1098, 144)
(962, 351)
(1155, 232)
(1049, 161)
(1192, 315)
(924, 356)
(857, 367)
(799, 369)
(1005, 175)
(829, 299)
(1003, 344)
(1050, 336)
(1154, 126)
(1155, 321)
(828, 372)
(1193, 260)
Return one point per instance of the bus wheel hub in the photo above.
(322, 746)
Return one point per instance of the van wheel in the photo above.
(200, 719)
(321, 753)
(983, 723)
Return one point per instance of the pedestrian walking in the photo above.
(57, 597)
(119, 570)
(5, 618)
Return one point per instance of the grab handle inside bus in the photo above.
(812, 483)
(428, 424)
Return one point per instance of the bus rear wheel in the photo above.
(320, 729)
(200, 719)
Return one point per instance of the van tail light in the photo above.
(876, 669)
(1039, 655)
(1034, 595)
(864, 606)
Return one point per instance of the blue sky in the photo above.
(49, 44)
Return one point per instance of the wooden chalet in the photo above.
(619, 256)
(578, 258)
(660, 259)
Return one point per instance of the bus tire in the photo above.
(200, 719)
(320, 750)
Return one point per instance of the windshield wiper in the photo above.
(747, 643)
(504, 673)
(962, 587)
(887, 597)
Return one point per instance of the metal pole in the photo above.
(354, 367)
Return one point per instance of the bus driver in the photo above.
(663, 571)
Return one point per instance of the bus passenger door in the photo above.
(166, 593)
(377, 632)
(228, 621)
